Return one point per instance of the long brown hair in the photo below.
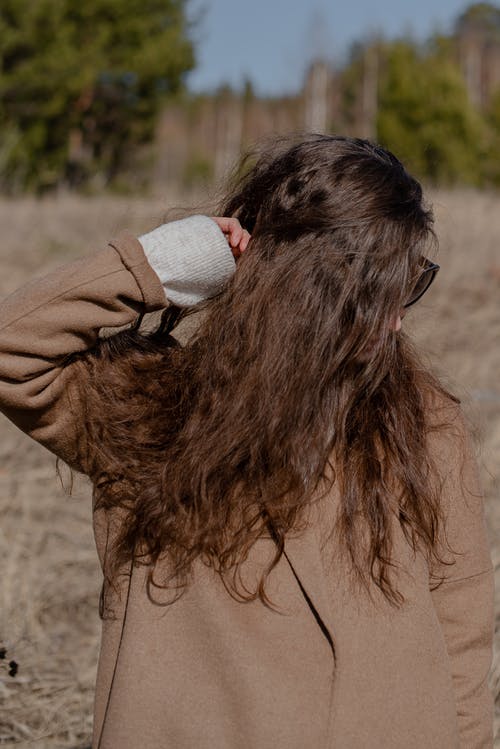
(294, 380)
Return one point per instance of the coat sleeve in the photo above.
(50, 319)
(464, 602)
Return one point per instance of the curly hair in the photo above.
(293, 382)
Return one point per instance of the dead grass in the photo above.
(50, 580)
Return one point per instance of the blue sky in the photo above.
(271, 41)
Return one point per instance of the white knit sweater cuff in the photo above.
(191, 257)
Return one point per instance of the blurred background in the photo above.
(118, 113)
(134, 95)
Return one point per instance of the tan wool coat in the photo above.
(330, 668)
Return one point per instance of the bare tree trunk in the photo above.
(369, 93)
(228, 135)
(471, 54)
(316, 96)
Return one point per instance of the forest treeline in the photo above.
(92, 93)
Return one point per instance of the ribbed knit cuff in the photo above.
(191, 257)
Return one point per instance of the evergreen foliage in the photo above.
(81, 84)
(481, 17)
(425, 115)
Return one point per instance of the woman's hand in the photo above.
(237, 237)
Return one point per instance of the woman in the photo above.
(286, 508)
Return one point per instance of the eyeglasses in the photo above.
(424, 281)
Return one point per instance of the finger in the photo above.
(226, 223)
(235, 235)
(245, 239)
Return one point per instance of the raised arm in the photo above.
(464, 603)
(48, 320)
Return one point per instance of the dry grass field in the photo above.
(49, 575)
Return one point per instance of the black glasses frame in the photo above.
(425, 280)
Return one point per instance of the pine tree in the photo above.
(425, 115)
(81, 84)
